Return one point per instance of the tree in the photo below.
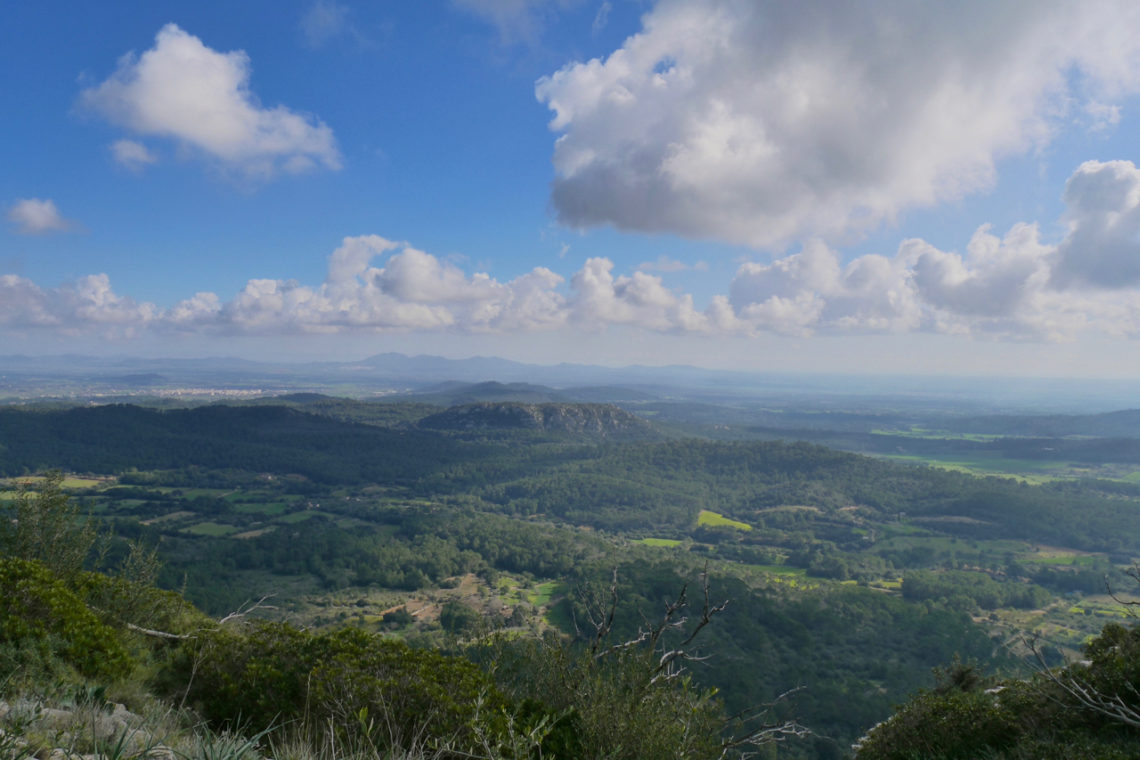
(632, 699)
(46, 526)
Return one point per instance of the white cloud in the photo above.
(1102, 248)
(23, 304)
(324, 21)
(37, 216)
(640, 299)
(760, 123)
(132, 154)
(516, 20)
(1010, 287)
(809, 290)
(994, 279)
(182, 90)
(86, 305)
(602, 17)
(413, 290)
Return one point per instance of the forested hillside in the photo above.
(848, 579)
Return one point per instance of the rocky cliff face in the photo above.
(602, 420)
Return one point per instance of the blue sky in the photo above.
(893, 187)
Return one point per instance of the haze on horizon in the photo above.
(811, 187)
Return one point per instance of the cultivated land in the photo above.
(850, 575)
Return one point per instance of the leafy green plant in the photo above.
(45, 525)
(41, 616)
(350, 684)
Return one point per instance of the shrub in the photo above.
(40, 615)
(46, 526)
(352, 683)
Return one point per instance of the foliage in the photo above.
(608, 707)
(357, 685)
(979, 589)
(389, 505)
(1041, 717)
(40, 615)
(45, 525)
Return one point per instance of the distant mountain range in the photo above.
(75, 376)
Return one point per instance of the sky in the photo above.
(823, 186)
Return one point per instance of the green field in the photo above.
(708, 518)
(543, 592)
(780, 570)
(666, 542)
(211, 529)
(1025, 470)
(944, 435)
(261, 508)
(296, 517)
(1058, 558)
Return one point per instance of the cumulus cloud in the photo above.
(1013, 286)
(376, 284)
(641, 300)
(132, 154)
(411, 290)
(86, 305)
(182, 90)
(1103, 211)
(37, 216)
(1016, 286)
(762, 123)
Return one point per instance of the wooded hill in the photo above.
(848, 575)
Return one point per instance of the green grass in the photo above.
(71, 482)
(253, 508)
(193, 493)
(1055, 560)
(214, 529)
(780, 570)
(1026, 470)
(120, 504)
(940, 435)
(710, 519)
(667, 542)
(542, 593)
(76, 482)
(296, 517)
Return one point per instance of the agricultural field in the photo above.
(818, 550)
(669, 543)
(709, 519)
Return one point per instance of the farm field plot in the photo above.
(1025, 470)
(712, 519)
(660, 542)
(211, 529)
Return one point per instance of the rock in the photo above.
(62, 754)
(592, 420)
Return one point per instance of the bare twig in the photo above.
(160, 634)
(1111, 706)
(246, 608)
(742, 732)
